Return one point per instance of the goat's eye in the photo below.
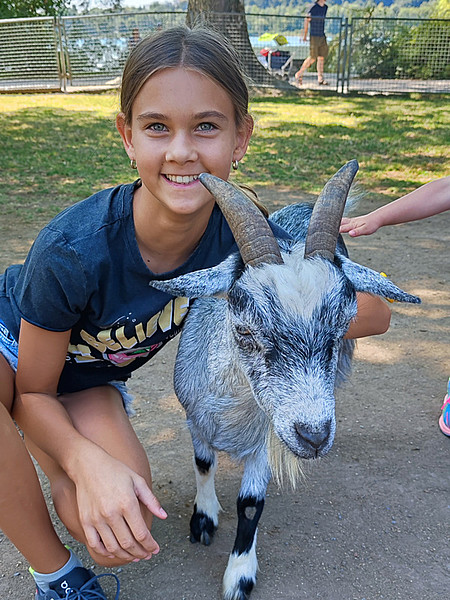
(244, 331)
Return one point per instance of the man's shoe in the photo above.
(79, 584)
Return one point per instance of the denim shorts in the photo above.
(9, 348)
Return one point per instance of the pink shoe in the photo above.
(444, 420)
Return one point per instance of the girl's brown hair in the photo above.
(198, 48)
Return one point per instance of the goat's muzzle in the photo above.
(313, 441)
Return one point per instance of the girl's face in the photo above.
(183, 124)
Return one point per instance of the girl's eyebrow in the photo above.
(151, 116)
(208, 114)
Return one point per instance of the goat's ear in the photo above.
(207, 282)
(367, 280)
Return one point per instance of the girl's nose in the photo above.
(181, 149)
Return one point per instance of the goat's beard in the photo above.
(284, 465)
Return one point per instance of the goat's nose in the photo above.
(316, 439)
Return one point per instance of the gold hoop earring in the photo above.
(235, 165)
(133, 164)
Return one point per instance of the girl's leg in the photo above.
(23, 513)
(98, 414)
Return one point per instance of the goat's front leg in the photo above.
(240, 574)
(205, 518)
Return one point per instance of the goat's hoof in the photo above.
(202, 529)
(242, 590)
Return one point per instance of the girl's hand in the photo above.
(363, 225)
(111, 501)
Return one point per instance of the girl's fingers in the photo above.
(346, 225)
(140, 533)
(345, 221)
(115, 539)
(119, 542)
(119, 528)
(353, 227)
(148, 498)
(94, 541)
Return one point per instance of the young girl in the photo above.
(430, 199)
(83, 315)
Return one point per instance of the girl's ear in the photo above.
(244, 133)
(125, 133)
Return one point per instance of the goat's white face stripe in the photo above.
(299, 289)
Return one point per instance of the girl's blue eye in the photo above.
(206, 127)
(157, 127)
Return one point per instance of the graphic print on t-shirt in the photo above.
(125, 340)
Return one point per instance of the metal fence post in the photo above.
(60, 55)
(350, 48)
(338, 65)
(344, 53)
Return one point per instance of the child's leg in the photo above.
(98, 414)
(23, 513)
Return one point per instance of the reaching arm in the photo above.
(426, 201)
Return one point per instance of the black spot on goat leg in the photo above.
(249, 511)
(203, 465)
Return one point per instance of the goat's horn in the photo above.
(250, 229)
(326, 217)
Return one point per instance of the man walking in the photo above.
(318, 47)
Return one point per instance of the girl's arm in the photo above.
(373, 317)
(94, 472)
(428, 200)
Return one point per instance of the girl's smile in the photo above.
(181, 179)
(183, 124)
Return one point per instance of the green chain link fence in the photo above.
(370, 55)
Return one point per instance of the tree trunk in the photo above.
(228, 17)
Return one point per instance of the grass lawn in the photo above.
(59, 148)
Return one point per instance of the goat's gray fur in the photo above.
(260, 355)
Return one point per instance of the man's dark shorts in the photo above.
(318, 46)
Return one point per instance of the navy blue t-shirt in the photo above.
(317, 23)
(85, 272)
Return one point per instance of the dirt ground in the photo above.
(371, 522)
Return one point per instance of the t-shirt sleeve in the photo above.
(51, 291)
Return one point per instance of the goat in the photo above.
(261, 352)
